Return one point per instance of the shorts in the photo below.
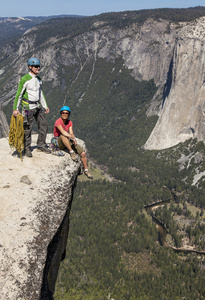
(76, 148)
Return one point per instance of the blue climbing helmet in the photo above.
(65, 108)
(33, 62)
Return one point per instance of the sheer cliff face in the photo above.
(182, 114)
(146, 49)
(36, 197)
(171, 54)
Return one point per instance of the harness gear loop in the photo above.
(16, 134)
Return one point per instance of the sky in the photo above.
(23, 8)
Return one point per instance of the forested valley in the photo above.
(113, 249)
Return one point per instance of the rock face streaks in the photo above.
(4, 127)
(182, 113)
(35, 200)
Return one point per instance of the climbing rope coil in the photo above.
(16, 134)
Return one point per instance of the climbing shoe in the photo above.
(74, 156)
(44, 149)
(28, 153)
(88, 175)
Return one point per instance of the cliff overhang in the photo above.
(36, 197)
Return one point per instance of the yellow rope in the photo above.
(12, 132)
(16, 134)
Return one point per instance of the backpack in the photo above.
(55, 148)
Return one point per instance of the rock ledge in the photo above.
(36, 197)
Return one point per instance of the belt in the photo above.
(31, 102)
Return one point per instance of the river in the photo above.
(162, 230)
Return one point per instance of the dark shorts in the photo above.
(76, 148)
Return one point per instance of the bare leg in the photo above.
(84, 160)
(66, 142)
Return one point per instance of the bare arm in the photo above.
(64, 132)
(72, 135)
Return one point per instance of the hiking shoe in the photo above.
(88, 175)
(28, 153)
(44, 149)
(74, 156)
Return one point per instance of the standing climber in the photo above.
(63, 129)
(34, 106)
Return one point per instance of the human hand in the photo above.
(74, 141)
(15, 113)
(47, 110)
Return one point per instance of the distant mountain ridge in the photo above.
(13, 27)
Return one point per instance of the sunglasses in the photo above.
(64, 113)
(36, 67)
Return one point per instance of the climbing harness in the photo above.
(25, 110)
(16, 134)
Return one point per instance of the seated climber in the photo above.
(63, 129)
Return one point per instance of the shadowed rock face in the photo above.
(35, 197)
(182, 114)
